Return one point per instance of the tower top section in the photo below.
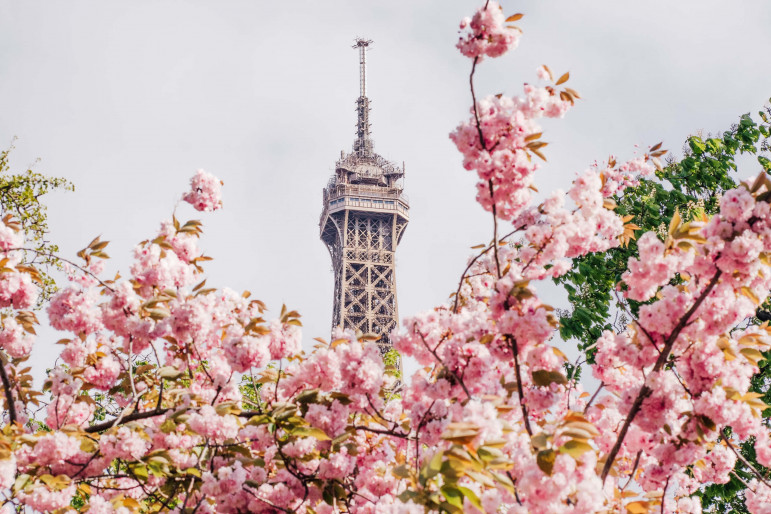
(362, 178)
(363, 146)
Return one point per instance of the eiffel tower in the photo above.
(363, 220)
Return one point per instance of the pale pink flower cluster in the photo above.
(184, 244)
(486, 33)
(17, 290)
(618, 178)
(226, 486)
(66, 410)
(246, 352)
(475, 345)
(42, 498)
(7, 472)
(155, 268)
(208, 423)
(14, 339)
(758, 497)
(54, 448)
(708, 393)
(75, 310)
(653, 269)
(10, 237)
(333, 419)
(104, 373)
(125, 444)
(352, 368)
(205, 192)
(502, 157)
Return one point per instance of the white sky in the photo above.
(127, 99)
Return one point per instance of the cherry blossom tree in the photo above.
(691, 186)
(171, 396)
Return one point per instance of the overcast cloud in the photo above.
(127, 99)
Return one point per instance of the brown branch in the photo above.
(463, 277)
(134, 416)
(647, 334)
(8, 392)
(382, 432)
(455, 375)
(54, 256)
(495, 229)
(515, 350)
(646, 391)
(634, 468)
(417, 434)
(267, 502)
(746, 462)
(740, 479)
(474, 100)
(594, 396)
(471, 263)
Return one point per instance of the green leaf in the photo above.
(697, 145)
(545, 460)
(575, 448)
(545, 378)
(434, 465)
(472, 497)
(311, 432)
(453, 495)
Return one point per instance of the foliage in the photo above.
(20, 195)
(173, 396)
(692, 185)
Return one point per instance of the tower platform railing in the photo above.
(334, 191)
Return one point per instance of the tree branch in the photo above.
(746, 462)
(8, 392)
(134, 416)
(645, 391)
(515, 350)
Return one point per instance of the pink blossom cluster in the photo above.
(486, 33)
(205, 192)
(502, 160)
(758, 497)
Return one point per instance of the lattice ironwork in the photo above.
(363, 220)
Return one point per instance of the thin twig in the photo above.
(745, 462)
(594, 396)
(495, 229)
(463, 276)
(647, 334)
(515, 350)
(474, 100)
(634, 468)
(471, 263)
(740, 479)
(48, 254)
(455, 375)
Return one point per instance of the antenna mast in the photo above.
(363, 144)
